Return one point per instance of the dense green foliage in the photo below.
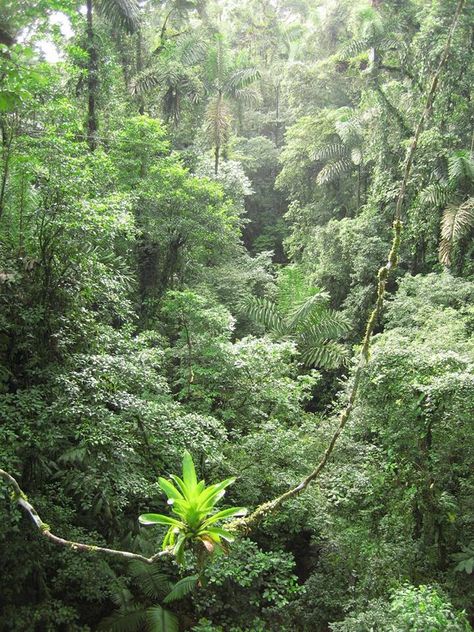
(195, 197)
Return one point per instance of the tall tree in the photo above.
(123, 14)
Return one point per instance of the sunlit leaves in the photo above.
(194, 503)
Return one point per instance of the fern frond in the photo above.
(153, 583)
(456, 223)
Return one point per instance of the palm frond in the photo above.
(124, 621)
(456, 223)
(435, 194)
(354, 48)
(334, 170)
(327, 354)
(264, 313)
(182, 588)
(153, 583)
(124, 14)
(241, 77)
(248, 95)
(160, 620)
(460, 166)
(330, 151)
(328, 324)
(350, 130)
(302, 310)
(191, 49)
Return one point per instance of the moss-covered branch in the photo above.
(21, 499)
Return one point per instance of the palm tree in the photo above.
(123, 14)
(172, 73)
(301, 313)
(227, 80)
(453, 192)
(343, 153)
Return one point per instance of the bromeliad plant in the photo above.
(194, 504)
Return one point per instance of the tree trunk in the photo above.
(92, 81)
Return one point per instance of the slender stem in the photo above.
(21, 499)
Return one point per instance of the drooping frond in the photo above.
(456, 223)
(333, 170)
(264, 313)
(461, 166)
(123, 14)
(328, 355)
(330, 151)
(218, 120)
